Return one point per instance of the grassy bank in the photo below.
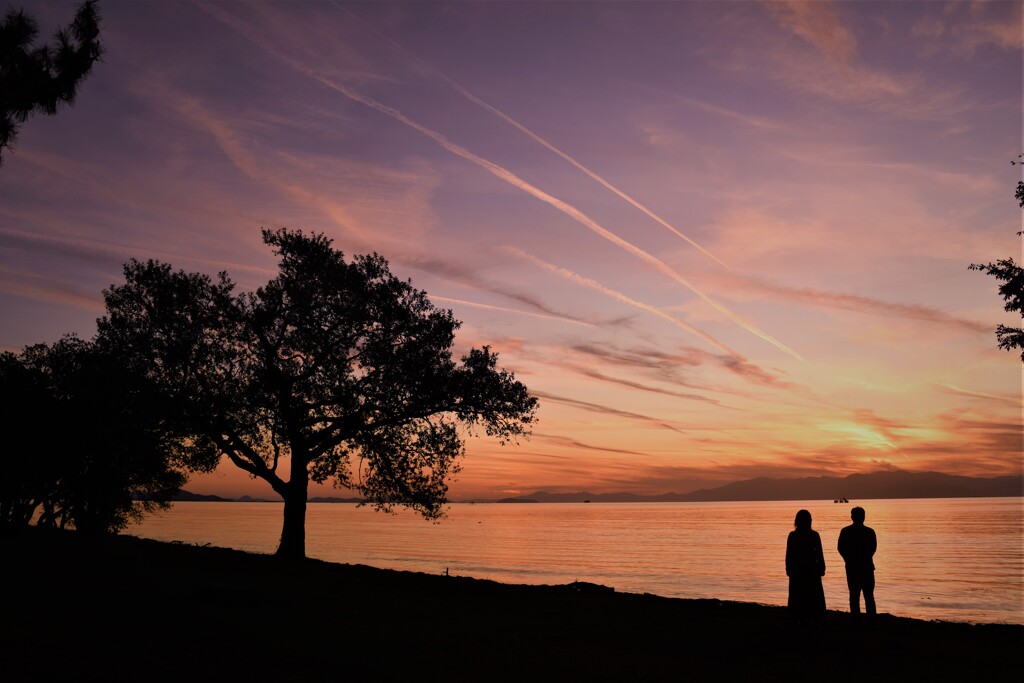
(123, 608)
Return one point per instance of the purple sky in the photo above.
(719, 240)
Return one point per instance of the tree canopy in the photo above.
(40, 79)
(1011, 275)
(81, 448)
(334, 370)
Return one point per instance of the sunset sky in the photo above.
(717, 240)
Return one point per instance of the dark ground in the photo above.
(119, 608)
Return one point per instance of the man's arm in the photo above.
(821, 557)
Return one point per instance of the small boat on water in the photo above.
(841, 500)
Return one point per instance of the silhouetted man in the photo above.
(857, 545)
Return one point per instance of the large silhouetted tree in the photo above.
(334, 370)
(83, 447)
(40, 79)
(1011, 276)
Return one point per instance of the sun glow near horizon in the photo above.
(574, 197)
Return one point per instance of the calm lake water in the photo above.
(953, 559)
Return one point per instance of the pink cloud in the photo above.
(818, 23)
(850, 302)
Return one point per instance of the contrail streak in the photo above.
(515, 181)
(606, 410)
(500, 114)
(619, 296)
(979, 394)
(543, 196)
(854, 302)
(537, 138)
(489, 307)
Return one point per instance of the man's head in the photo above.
(857, 515)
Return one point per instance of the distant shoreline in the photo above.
(886, 484)
(115, 606)
(357, 501)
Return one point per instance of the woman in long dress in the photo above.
(805, 565)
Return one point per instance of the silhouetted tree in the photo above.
(29, 476)
(338, 369)
(1020, 183)
(39, 79)
(120, 462)
(1012, 289)
(86, 455)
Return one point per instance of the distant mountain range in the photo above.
(885, 484)
(189, 497)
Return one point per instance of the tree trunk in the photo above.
(293, 531)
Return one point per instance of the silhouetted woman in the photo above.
(805, 565)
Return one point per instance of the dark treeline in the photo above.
(335, 370)
(85, 448)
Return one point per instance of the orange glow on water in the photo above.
(937, 558)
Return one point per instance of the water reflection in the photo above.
(937, 558)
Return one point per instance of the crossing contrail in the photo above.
(566, 208)
(514, 180)
(619, 296)
(508, 119)
(539, 140)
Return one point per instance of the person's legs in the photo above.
(854, 585)
(868, 585)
